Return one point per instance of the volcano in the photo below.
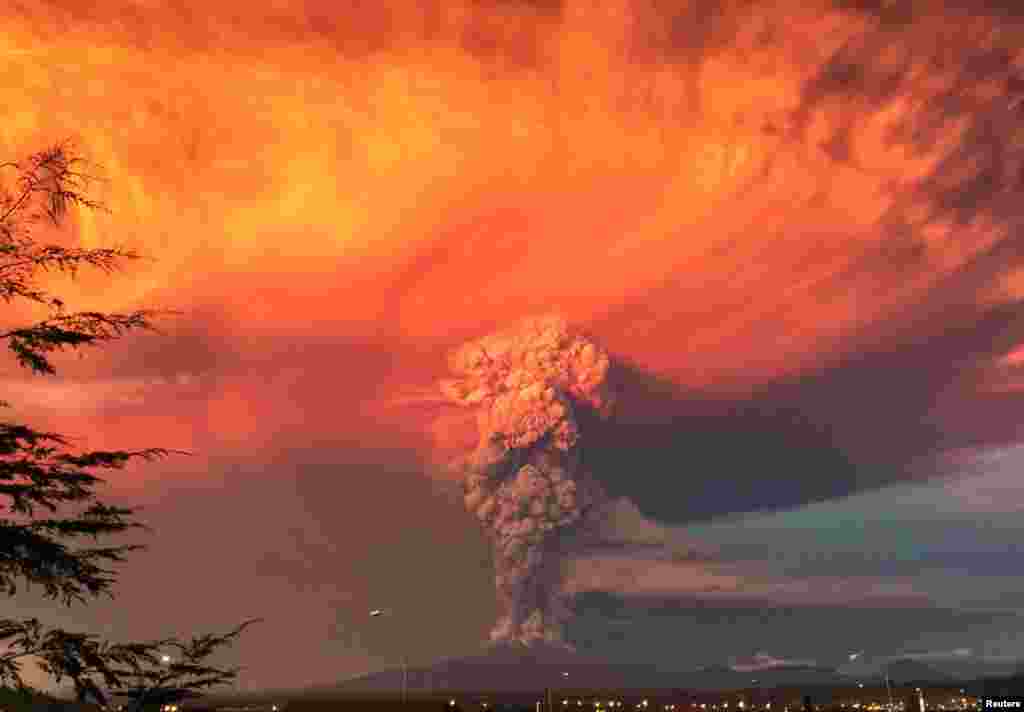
(511, 668)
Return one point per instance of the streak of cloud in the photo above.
(764, 661)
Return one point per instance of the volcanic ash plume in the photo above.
(526, 482)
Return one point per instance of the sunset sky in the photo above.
(794, 225)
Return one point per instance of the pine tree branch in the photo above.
(37, 470)
(136, 669)
(31, 344)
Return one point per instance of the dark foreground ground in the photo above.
(823, 699)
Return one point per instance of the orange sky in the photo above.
(413, 177)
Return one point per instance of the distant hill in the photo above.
(902, 672)
(515, 669)
(972, 669)
(721, 677)
(716, 669)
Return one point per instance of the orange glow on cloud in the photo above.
(406, 178)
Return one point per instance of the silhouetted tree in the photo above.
(41, 477)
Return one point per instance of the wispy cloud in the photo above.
(74, 396)
(763, 661)
(990, 482)
(955, 654)
(641, 557)
(654, 575)
(861, 662)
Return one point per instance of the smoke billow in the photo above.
(525, 480)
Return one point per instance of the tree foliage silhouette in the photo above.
(41, 478)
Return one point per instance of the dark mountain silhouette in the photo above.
(902, 672)
(510, 668)
(721, 677)
(514, 668)
(716, 669)
(970, 669)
